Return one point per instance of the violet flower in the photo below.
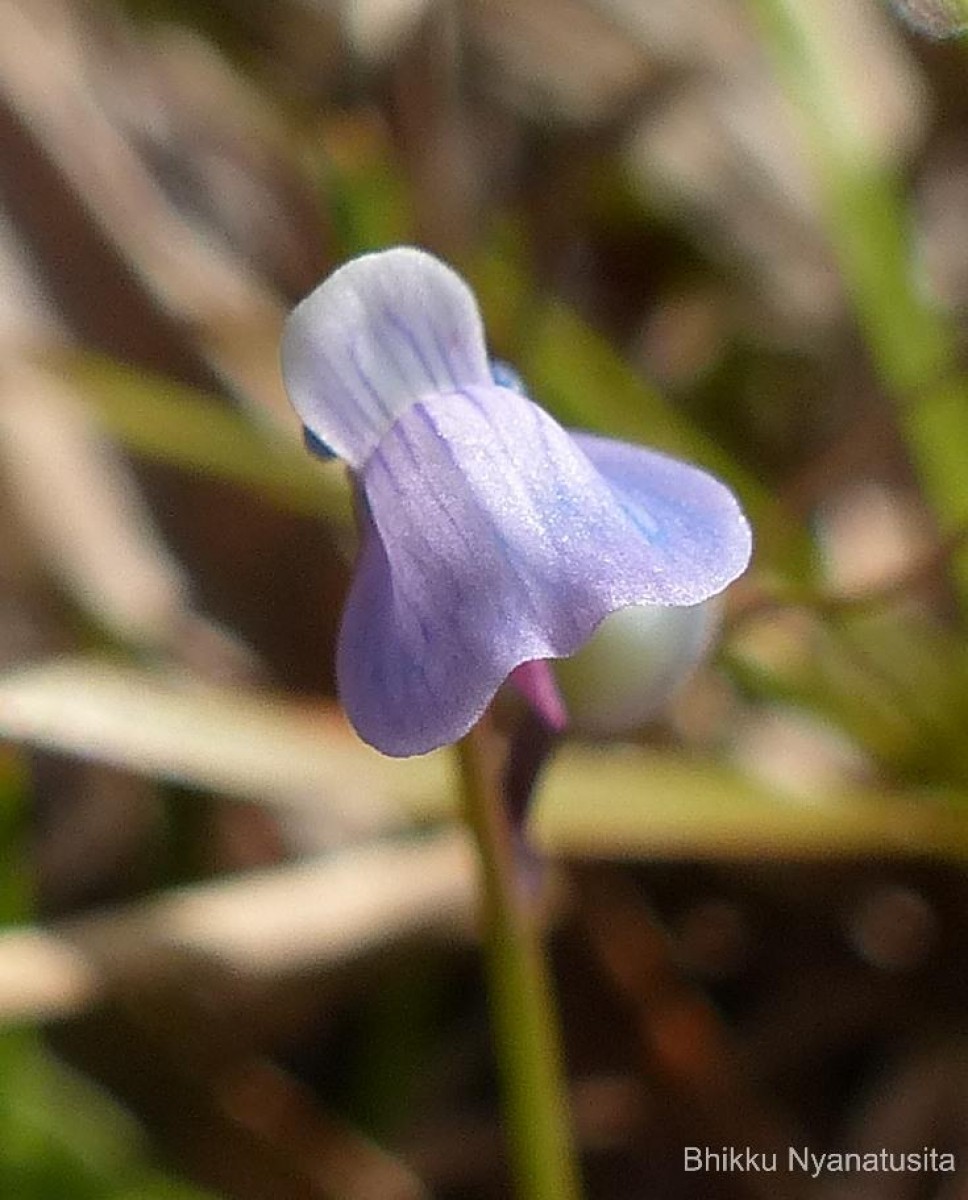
(490, 537)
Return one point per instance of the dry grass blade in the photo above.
(311, 916)
(73, 491)
(559, 61)
(219, 740)
(45, 78)
(376, 29)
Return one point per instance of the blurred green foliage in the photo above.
(60, 1136)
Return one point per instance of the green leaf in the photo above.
(61, 1136)
(199, 433)
(912, 345)
(636, 804)
(894, 684)
(366, 195)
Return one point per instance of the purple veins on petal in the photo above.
(492, 539)
(377, 335)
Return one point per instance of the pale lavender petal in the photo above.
(700, 539)
(490, 539)
(379, 334)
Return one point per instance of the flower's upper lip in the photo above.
(379, 334)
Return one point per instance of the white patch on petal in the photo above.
(381, 333)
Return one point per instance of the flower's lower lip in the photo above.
(493, 538)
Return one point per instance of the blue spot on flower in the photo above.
(316, 446)
(504, 375)
(491, 537)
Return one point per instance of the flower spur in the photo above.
(490, 536)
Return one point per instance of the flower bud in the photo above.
(629, 670)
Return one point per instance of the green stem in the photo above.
(524, 1019)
